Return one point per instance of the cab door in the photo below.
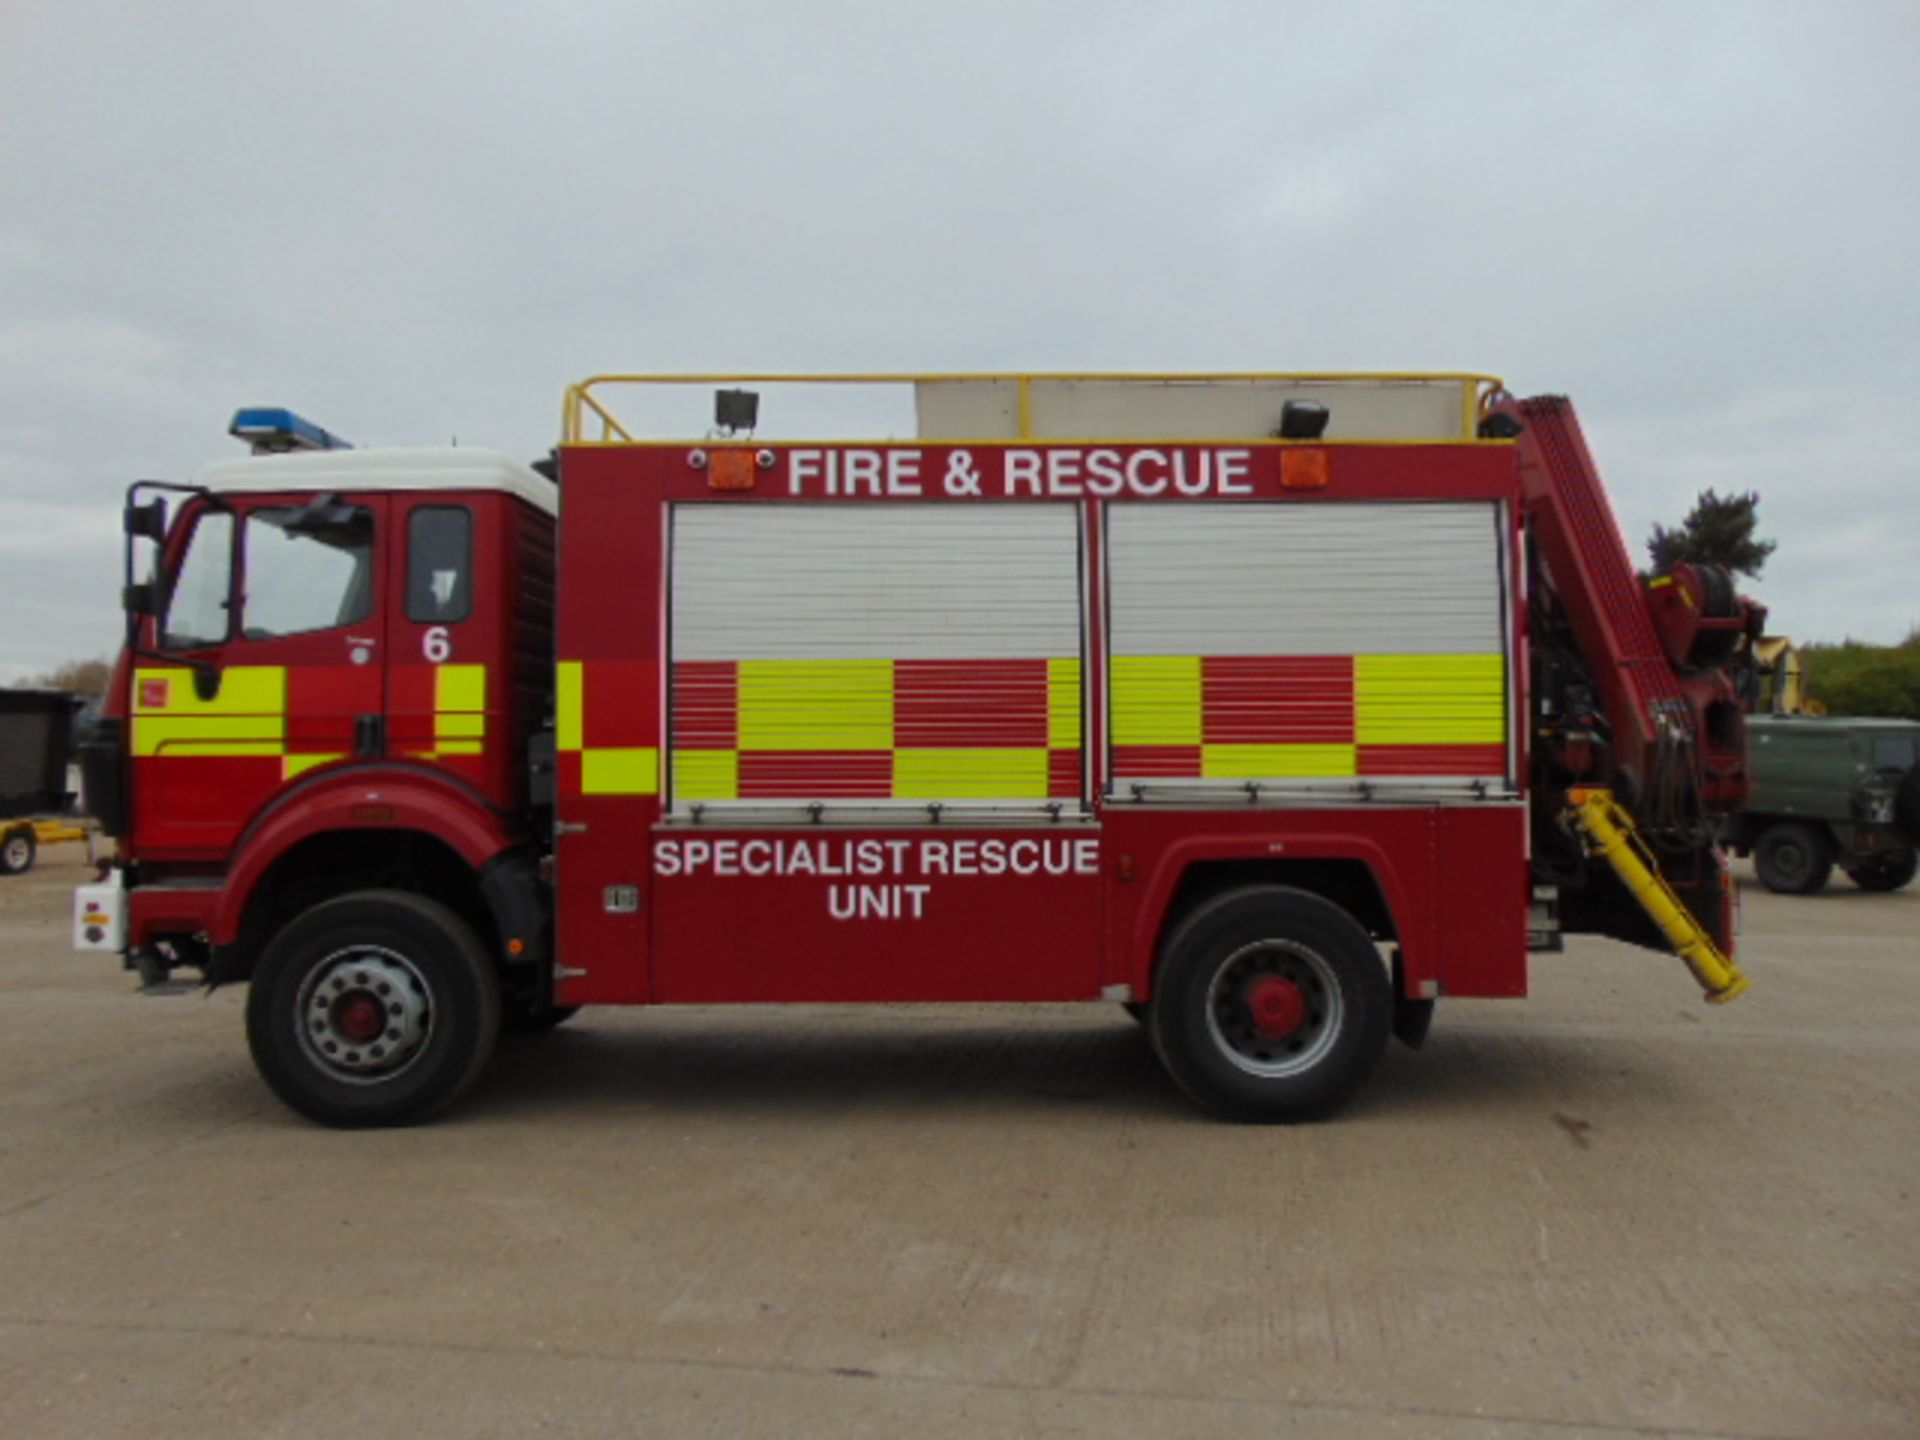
(446, 693)
(275, 616)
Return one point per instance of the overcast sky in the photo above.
(414, 222)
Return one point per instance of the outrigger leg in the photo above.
(1609, 832)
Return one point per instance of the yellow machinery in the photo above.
(1781, 690)
(20, 841)
(1610, 833)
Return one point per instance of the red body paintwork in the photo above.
(1636, 649)
(405, 797)
(1454, 878)
(937, 923)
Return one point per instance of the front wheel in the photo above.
(377, 1008)
(1271, 1004)
(1792, 859)
(1886, 872)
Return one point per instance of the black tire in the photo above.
(1906, 805)
(18, 849)
(530, 1019)
(384, 958)
(1886, 872)
(1793, 859)
(1232, 977)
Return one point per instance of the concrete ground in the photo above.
(1607, 1210)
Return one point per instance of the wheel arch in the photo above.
(362, 832)
(1358, 877)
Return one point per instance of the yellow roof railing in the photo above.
(987, 408)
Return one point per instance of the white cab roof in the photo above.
(435, 469)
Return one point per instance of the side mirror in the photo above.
(141, 599)
(148, 521)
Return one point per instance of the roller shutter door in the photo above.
(876, 655)
(1307, 645)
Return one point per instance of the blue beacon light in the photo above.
(273, 431)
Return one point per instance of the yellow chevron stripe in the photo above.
(1063, 704)
(246, 717)
(569, 704)
(460, 687)
(1430, 699)
(816, 705)
(623, 770)
(706, 775)
(292, 765)
(1156, 699)
(970, 774)
(1274, 762)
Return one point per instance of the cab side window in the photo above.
(197, 605)
(439, 564)
(307, 569)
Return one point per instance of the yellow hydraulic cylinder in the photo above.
(1611, 834)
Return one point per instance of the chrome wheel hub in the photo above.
(364, 1014)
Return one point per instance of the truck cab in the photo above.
(333, 672)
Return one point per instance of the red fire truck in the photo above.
(1273, 707)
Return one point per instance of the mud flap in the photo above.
(1411, 1018)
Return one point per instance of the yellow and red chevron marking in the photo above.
(605, 727)
(293, 717)
(1267, 717)
(454, 696)
(876, 729)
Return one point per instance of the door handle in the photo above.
(369, 736)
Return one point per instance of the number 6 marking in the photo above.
(436, 645)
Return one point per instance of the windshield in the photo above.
(306, 572)
(197, 603)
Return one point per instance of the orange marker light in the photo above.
(730, 470)
(1304, 469)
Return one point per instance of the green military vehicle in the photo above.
(1830, 791)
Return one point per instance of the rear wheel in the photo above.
(1271, 1004)
(378, 1008)
(1793, 859)
(1885, 872)
(17, 850)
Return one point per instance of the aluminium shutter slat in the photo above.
(1410, 595)
(829, 611)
